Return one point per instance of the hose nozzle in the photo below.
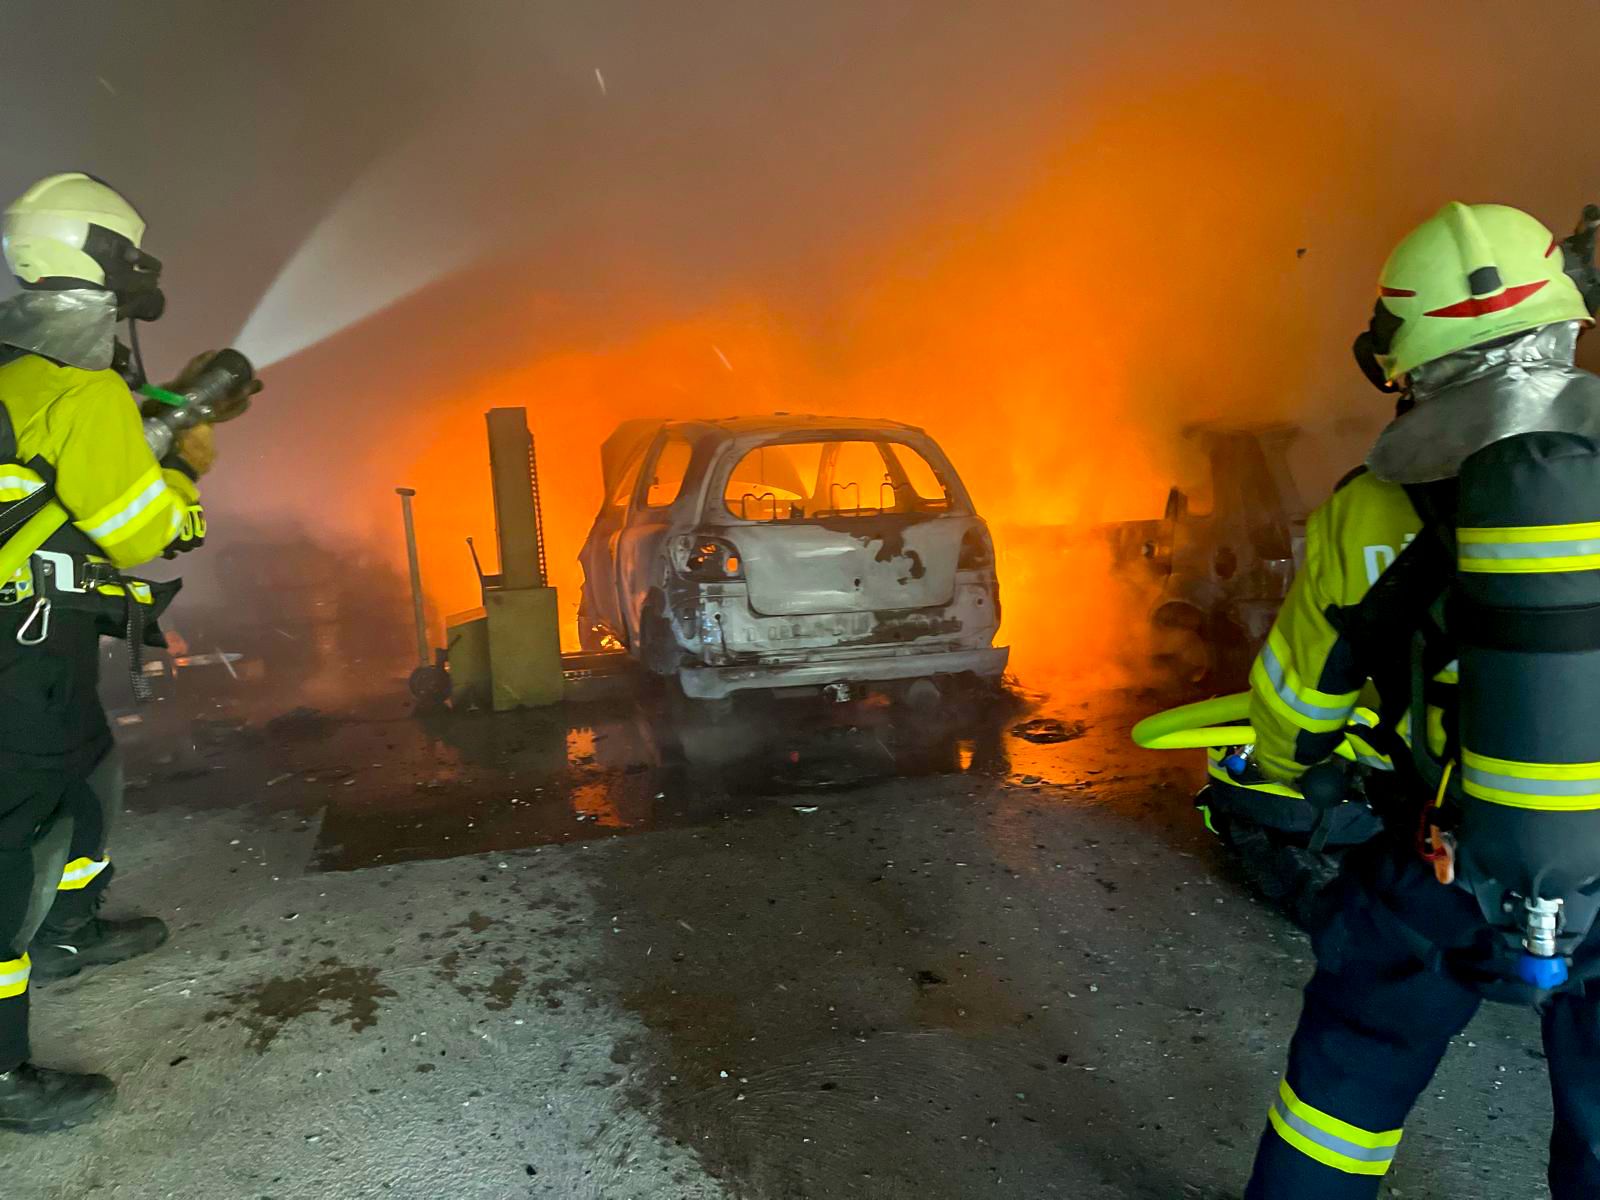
(219, 391)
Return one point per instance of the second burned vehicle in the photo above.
(789, 551)
(1224, 569)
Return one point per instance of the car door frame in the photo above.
(608, 525)
(639, 555)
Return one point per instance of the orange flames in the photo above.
(1158, 269)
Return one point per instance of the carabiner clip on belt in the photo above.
(40, 614)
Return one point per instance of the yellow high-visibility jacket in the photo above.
(86, 425)
(1305, 683)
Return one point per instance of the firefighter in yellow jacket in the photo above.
(71, 443)
(1475, 329)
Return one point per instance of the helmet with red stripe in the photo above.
(1469, 275)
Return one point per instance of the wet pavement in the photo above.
(626, 949)
(475, 782)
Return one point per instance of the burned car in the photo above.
(789, 552)
(1223, 571)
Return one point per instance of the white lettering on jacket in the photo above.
(1378, 558)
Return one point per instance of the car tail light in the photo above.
(707, 559)
(977, 550)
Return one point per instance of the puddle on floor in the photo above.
(392, 787)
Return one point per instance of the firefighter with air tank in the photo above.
(1480, 640)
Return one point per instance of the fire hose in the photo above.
(1217, 724)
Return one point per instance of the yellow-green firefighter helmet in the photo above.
(1471, 274)
(50, 231)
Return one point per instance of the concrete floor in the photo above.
(603, 954)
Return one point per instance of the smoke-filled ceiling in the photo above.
(1055, 234)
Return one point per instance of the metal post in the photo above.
(516, 512)
(405, 494)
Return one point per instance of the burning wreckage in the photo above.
(1220, 572)
(790, 551)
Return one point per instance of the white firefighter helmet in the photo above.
(71, 226)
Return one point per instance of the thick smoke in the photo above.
(1055, 235)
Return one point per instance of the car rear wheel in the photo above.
(658, 648)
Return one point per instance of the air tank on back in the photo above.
(1525, 613)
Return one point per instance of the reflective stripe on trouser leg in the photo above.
(93, 802)
(1375, 1024)
(1330, 1141)
(28, 878)
(14, 974)
(81, 872)
(13, 1010)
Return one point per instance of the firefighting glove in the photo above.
(191, 534)
(196, 448)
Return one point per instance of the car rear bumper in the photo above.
(896, 662)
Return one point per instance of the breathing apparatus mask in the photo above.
(1373, 341)
(133, 277)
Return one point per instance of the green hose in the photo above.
(170, 399)
(1199, 725)
(1196, 726)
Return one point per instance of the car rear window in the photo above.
(808, 481)
(668, 471)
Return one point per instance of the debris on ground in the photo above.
(1049, 730)
(300, 724)
(217, 731)
(328, 775)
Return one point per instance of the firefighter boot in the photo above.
(38, 1100)
(62, 948)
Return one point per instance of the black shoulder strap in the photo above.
(14, 514)
(1349, 477)
(1401, 604)
(1436, 505)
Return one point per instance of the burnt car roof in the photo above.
(783, 422)
(629, 437)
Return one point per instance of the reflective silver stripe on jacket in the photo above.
(1280, 684)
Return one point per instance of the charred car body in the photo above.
(1223, 573)
(788, 551)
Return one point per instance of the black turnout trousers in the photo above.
(57, 779)
(1402, 963)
